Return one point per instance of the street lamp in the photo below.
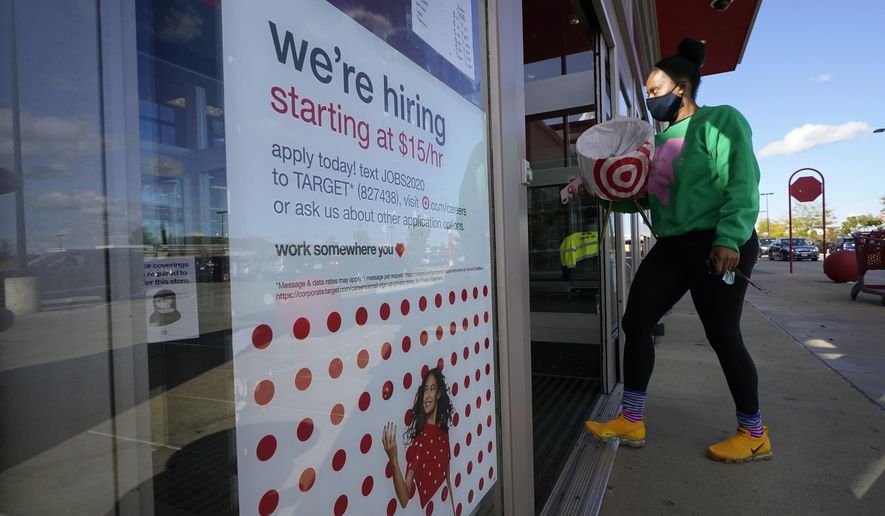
(767, 215)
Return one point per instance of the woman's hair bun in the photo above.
(693, 50)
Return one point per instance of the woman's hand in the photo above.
(388, 439)
(724, 259)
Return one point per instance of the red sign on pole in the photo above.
(807, 189)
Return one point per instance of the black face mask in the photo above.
(665, 107)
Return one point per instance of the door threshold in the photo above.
(581, 484)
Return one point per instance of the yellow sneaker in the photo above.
(630, 434)
(742, 447)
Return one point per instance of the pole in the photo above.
(20, 235)
(767, 214)
(823, 191)
(824, 202)
(790, 203)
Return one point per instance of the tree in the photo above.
(858, 222)
(775, 228)
(807, 220)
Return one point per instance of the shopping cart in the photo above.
(869, 248)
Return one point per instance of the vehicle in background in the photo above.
(846, 243)
(802, 250)
(763, 245)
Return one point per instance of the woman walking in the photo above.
(704, 198)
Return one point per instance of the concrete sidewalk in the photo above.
(828, 437)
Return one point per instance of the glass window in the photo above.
(116, 355)
(556, 41)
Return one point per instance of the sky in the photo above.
(812, 86)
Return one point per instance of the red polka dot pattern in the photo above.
(366, 444)
(303, 379)
(335, 367)
(264, 392)
(308, 477)
(333, 322)
(387, 390)
(362, 316)
(368, 483)
(337, 415)
(341, 505)
(339, 459)
(305, 429)
(362, 359)
(268, 503)
(301, 328)
(261, 336)
(365, 401)
(267, 446)
(364, 334)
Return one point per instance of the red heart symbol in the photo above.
(400, 249)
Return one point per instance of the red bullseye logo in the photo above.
(622, 177)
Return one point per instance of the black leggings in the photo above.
(676, 265)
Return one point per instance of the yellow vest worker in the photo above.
(577, 247)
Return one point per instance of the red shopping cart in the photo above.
(869, 248)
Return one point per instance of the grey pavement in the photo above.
(828, 435)
(847, 335)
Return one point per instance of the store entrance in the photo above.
(565, 249)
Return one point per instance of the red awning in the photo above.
(726, 33)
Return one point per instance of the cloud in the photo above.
(48, 171)
(80, 201)
(63, 138)
(180, 26)
(812, 135)
(378, 24)
(824, 77)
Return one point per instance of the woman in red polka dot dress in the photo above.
(428, 455)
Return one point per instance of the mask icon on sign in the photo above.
(165, 311)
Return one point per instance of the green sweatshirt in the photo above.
(705, 175)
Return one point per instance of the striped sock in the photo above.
(751, 422)
(633, 405)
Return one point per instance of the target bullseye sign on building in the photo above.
(361, 264)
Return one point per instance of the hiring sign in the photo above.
(361, 270)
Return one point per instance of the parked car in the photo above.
(846, 243)
(802, 250)
(763, 245)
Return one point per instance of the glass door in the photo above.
(565, 269)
